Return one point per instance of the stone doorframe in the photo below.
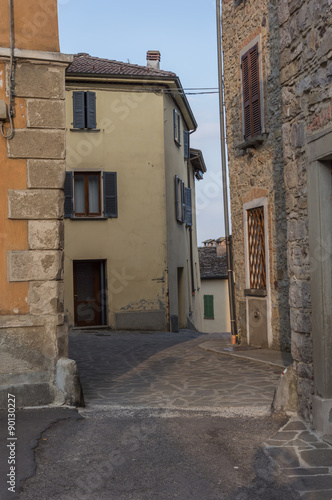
(319, 152)
(258, 202)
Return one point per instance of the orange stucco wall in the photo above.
(35, 24)
(13, 233)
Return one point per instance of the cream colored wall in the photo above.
(221, 322)
(131, 143)
(178, 236)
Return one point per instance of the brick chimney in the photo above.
(153, 59)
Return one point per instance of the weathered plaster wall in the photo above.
(178, 235)
(131, 143)
(35, 24)
(306, 69)
(32, 332)
(256, 173)
(219, 289)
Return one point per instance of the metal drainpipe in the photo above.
(224, 180)
(10, 135)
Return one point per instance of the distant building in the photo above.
(214, 288)
(131, 258)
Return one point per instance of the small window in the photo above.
(251, 93)
(177, 127)
(87, 194)
(208, 307)
(84, 197)
(84, 110)
(256, 247)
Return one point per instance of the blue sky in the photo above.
(184, 31)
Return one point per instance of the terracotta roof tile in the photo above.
(212, 266)
(86, 64)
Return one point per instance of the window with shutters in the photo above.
(87, 194)
(183, 205)
(90, 195)
(208, 307)
(252, 122)
(84, 110)
(177, 127)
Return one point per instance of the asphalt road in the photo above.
(149, 454)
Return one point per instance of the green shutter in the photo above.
(186, 144)
(208, 307)
(189, 217)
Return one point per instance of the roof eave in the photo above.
(173, 82)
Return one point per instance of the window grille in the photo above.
(256, 245)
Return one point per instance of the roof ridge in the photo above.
(114, 61)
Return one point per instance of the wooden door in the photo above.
(88, 292)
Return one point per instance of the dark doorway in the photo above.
(89, 292)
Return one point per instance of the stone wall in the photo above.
(257, 172)
(33, 336)
(305, 75)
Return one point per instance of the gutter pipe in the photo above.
(224, 182)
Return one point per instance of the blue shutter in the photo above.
(186, 144)
(91, 121)
(78, 110)
(110, 195)
(183, 202)
(68, 189)
(189, 217)
(175, 118)
(177, 201)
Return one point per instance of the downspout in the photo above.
(224, 181)
(10, 135)
(191, 237)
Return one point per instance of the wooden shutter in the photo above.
(177, 201)
(208, 307)
(68, 190)
(91, 121)
(186, 144)
(189, 219)
(251, 94)
(79, 110)
(110, 195)
(255, 101)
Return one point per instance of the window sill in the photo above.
(257, 140)
(90, 130)
(253, 292)
(87, 218)
(208, 318)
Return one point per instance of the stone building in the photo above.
(295, 86)
(305, 78)
(253, 117)
(33, 363)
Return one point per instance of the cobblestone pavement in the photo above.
(304, 458)
(168, 370)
